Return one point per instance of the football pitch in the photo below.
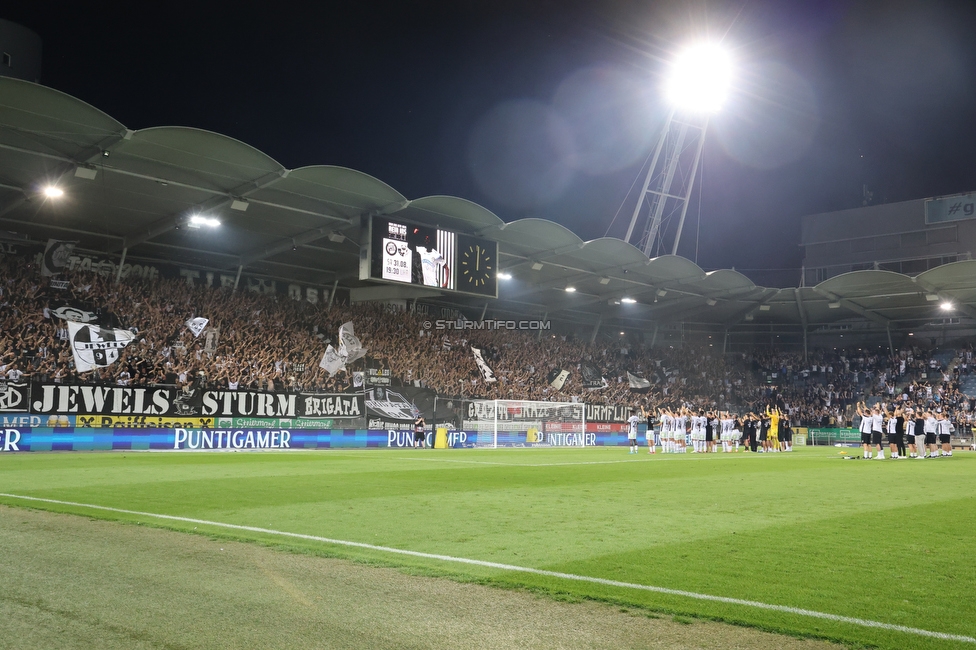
(869, 553)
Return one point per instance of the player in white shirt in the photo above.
(633, 421)
(664, 417)
(910, 433)
(865, 428)
(877, 431)
(945, 431)
(892, 436)
(649, 434)
(726, 424)
(697, 433)
(930, 429)
(680, 431)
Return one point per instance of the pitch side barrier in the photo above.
(54, 417)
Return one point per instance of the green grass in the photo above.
(885, 541)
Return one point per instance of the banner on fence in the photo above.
(171, 402)
(14, 396)
(606, 413)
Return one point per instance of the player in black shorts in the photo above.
(419, 434)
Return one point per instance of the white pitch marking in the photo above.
(489, 462)
(511, 567)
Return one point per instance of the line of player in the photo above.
(911, 433)
(683, 428)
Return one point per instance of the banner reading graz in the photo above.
(173, 402)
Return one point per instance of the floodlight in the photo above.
(629, 301)
(946, 306)
(700, 78)
(570, 289)
(504, 276)
(711, 302)
(53, 192)
(196, 221)
(536, 266)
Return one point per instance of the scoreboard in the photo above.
(400, 252)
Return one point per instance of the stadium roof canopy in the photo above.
(134, 192)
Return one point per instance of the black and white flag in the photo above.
(557, 377)
(637, 383)
(75, 314)
(197, 325)
(211, 340)
(349, 350)
(56, 256)
(332, 362)
(349, 346)
(96, 347)
(592, 379)
(486, 372)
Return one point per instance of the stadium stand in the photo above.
(269, 342)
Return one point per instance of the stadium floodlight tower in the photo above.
(696, 87)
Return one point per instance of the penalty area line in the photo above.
(519, 569)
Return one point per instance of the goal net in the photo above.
(522, 423)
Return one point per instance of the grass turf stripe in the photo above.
(510, 567)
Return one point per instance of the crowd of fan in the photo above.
(271, 342)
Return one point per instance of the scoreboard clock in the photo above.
(477, 266)
(400, 252)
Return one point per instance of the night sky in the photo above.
(549, 108)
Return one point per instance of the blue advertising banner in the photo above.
(22, 433)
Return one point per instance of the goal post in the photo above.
(524, 423)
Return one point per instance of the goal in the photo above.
(522, 423)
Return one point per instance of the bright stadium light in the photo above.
(946, 306)
(629, 301)
(570, 289)
(196, 221)
(696, 86)
(504, 276)
(700, 78)
(53, 192)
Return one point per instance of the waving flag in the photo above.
(96, 347)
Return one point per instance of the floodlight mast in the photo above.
(697, 87)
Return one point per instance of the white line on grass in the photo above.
(490, 462)
(510, 567)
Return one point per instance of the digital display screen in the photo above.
(430, 257)
(412, 254)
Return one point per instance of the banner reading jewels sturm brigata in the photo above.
(173, 402)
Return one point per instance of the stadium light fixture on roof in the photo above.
(197, 221)
(947, 306)
(629, 301)
(504, 276)
(53, 192)
(570, 289)
(700, 78)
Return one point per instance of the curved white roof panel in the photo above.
(132, 189)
